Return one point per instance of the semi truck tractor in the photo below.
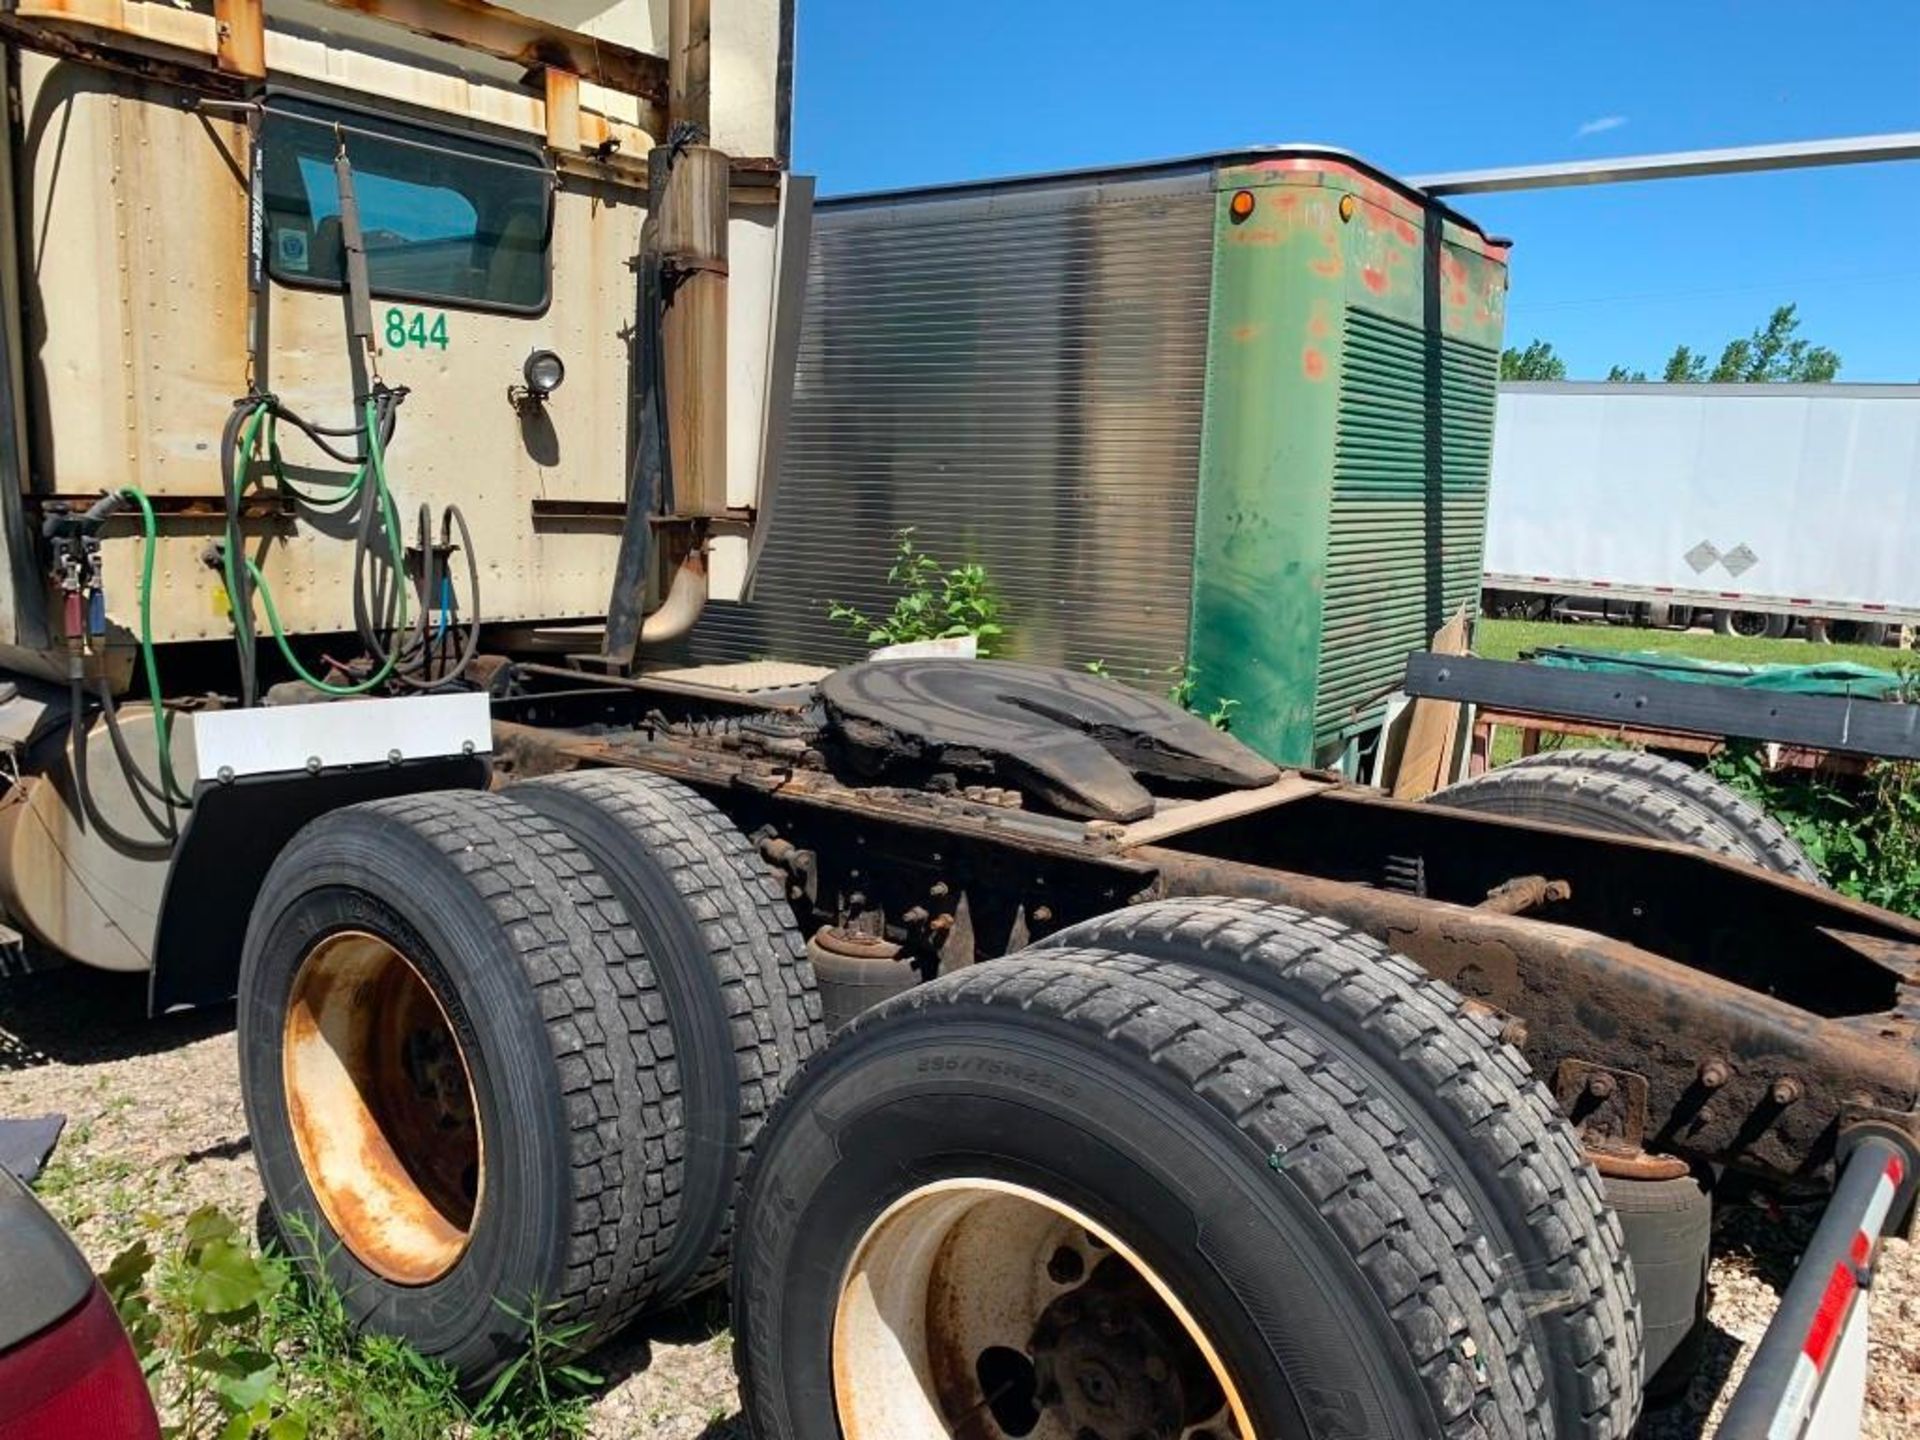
(385, 387)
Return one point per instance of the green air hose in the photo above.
(149, 542)
(169, 791)
(375, 466)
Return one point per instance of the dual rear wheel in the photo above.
(506, 1052)
(1199, 1170)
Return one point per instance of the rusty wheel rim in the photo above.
(975, 1309)
(381, 1103)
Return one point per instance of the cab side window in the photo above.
(446, 218)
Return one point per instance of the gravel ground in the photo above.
(154, 1128)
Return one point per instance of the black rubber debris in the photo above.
(1077, 741)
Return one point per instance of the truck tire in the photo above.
(458, 1085)
(1749, 624)
(1669, 1230)
(1760, 837)
(1495, 1133)
(738, 992)
(1850, 632)
(1117, 1191)
(1594, 799)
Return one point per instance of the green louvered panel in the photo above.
(1383, 599)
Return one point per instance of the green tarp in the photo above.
(1833, 678)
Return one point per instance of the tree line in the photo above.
(1773, 352)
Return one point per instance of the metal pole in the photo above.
(1676, 165)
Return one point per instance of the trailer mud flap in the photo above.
(1808, 1379)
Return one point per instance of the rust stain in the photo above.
(1244, 332)
(1313, 363)
(1255, 235)
(1317, 325)
(1374, 280)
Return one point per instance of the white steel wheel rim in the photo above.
(960, 1267)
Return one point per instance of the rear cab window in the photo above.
(446, 217)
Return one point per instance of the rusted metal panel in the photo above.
(241, 36)
(126, 20)
(523, 40)
(1712, 1052)
(1355, 336)
(133, 378)
(136, 291)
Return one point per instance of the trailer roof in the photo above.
(1768, 390)
(1148, 170)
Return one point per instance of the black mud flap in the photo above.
(231, 840)
(1076, 740)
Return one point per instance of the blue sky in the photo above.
(899, 92)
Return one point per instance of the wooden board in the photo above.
(1433, 733)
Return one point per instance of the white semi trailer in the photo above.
(1753, 506)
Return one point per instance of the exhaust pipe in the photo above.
(686, 598)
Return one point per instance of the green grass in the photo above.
(1507, 639)
(241, 1344)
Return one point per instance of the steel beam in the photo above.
(1676, 165)
(1825, 722)
(537, 44)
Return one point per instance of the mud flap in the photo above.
(265, 773)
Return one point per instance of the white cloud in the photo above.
(1599, 125)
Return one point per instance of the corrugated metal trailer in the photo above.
(1766, 500)
(1228, 416)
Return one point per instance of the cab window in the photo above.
(445, 217)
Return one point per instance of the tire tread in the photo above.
(1759, 836)
(605, 1022)
(1355, 1158)
(1509, 1131)
(773, 1005)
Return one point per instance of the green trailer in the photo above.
(1225, 420)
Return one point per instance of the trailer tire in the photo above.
(739, 993)
(1849, 632)
(1497, 1134)
(396, 949)
(1750, 624)
(1669, 1230)
(1593, 799)
(919, 1174)
(1760, 837)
